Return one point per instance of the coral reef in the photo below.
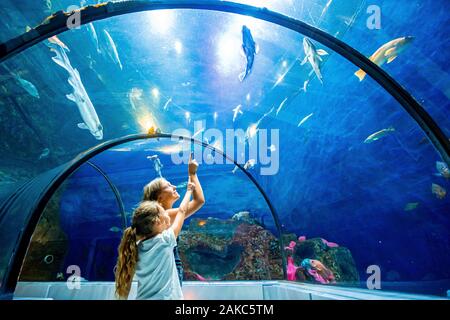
(336, 259)
(234, 249)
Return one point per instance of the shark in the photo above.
(313, 56)
(79, 95)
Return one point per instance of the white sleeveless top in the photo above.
(156, 272)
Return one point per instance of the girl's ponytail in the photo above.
(126, 263)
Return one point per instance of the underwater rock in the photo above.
(232, 249)
(338, 260)
(244, 216)
(45, 256)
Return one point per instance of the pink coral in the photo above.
(302, 238)
(291, 269)
(291, 246)
(330, 244)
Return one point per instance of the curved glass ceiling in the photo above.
(179, 69)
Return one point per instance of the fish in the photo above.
(48, 5)
(247, 166)
(166, 105)
(250, 50)
(313, 56)
(301, 238)
(387, 53)
(157, 165)
(325, 9)
(87, 111)
(411, 206)
(329, 244)
(305, 119)
(305, 85)
(182, 185)
(281, 105)
(251, 131)
(27, 86)
(115, 229)
(438, 191)
(253, 128)
(201, 223)
(44, 153)
(112, 49)
(55, 40)
(237, 111)
(443, 169)
(377, 135)
(59, 276)
(318, 271)
(94, 36)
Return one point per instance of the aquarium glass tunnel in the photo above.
(321, 128)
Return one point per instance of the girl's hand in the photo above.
(190, 186)
(192, 165)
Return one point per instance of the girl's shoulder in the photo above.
(167, 237)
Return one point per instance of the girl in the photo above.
(146, 252)
(166, 195)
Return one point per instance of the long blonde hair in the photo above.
(153, 189)
(144, 218)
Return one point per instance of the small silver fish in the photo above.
(281, 106)
(181, 185)
(94, 36)
(166, 105)
(112, 49)
(44, 153)
(27, 86)
(237, 111)
(438, 191)
(248, 165)
(411, 206)
(115, 229)
(305, 119)
(443, 169)
(377, 135)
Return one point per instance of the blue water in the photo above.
(330, 184)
